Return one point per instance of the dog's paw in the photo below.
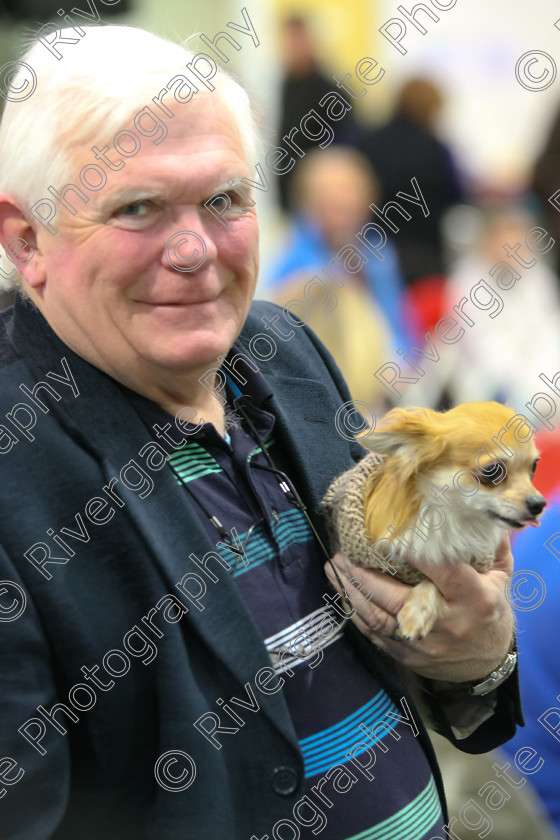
(420, 611)
(415, 621)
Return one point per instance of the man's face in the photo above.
(109, 290)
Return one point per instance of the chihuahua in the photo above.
(443, 486)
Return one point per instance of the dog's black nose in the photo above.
(535, 505)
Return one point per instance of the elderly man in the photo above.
(174, 661)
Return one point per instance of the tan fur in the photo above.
(415, 450)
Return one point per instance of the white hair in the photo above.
(89, 95)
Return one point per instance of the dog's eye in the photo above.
(534, 467)
(492, 473)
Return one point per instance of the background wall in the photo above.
(494, 123)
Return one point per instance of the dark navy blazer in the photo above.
(94, 778)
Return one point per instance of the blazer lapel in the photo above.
(102, 420)
(299, 407)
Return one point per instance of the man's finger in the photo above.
(361, 585)
(459, 581)
(454, 580)
(504, 558)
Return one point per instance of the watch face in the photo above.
(497, 677)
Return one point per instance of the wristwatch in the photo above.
(496, 677)
(479, 688)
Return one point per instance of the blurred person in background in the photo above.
(406, 147)
(303, 85)
(366, 319)
(500, 358)
(537, 602)
(473, 778)
(546, 180)
(533, 809)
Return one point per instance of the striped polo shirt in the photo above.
(366, 775)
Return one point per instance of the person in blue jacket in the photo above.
(534, 594)
(331, 195)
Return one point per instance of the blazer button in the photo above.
(284, 780)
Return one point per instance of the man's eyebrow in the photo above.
(232, 184)
(127, 195)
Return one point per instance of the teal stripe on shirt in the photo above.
(329, 747)
(410, 823)
(291, 528)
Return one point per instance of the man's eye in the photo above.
(237, 198)
(232, 201)
(135, 208)
(136, 214)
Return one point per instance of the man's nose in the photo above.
(189, 247)
(186, 251)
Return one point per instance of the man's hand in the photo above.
(467, 644)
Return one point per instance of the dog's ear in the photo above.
(402, 426)
(414, 436)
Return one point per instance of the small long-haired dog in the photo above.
(444, 486)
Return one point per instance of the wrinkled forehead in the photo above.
(141, 130)
(189, 159)
(119, 90)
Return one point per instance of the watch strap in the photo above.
(496, 677)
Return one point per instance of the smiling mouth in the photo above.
(175, 303)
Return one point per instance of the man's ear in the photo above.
(20, 250)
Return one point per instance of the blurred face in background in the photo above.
(501, 227)
(334, 189)
(297, 48)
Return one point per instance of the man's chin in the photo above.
(192, 357)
